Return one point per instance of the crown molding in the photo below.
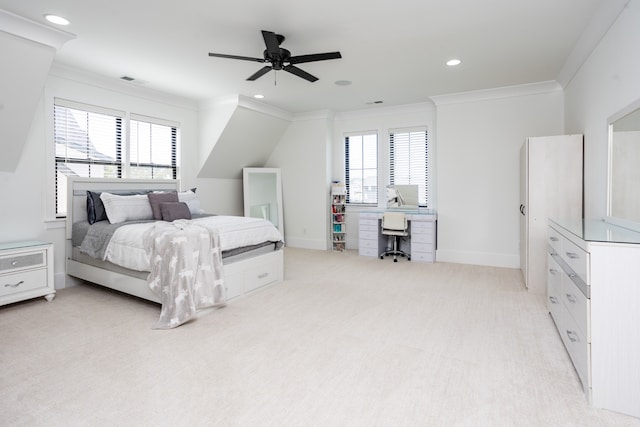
(34, 31)
(497, 93)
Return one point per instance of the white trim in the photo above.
(497, 93)
(88, 107)
(154, 120)
(34, 31)
(386, 111)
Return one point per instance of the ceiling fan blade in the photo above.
(271, 41)
(314, 57)
(244, 58)
(261, 72)
(300, 73)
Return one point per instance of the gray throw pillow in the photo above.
(174, 210)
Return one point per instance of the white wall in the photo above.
(27, 210)
(479, 136)
(302, 157)
(607, 82)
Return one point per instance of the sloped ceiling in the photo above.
(27, 49)
(244, 135)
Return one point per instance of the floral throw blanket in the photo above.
(186, 270)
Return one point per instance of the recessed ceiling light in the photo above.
(453, 62)
(258, 96)
(342, 82)
(55, 19)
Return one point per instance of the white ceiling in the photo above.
(393, 51)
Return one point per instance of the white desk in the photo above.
(421, 242)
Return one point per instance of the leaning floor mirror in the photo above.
(263, 194)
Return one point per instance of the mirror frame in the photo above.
(623, 222)
(246, 184)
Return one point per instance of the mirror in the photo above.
(402, 196)
(262, 189)
(624, 159)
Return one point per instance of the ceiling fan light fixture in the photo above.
(453, 62)
(56, 19)
(342, 82)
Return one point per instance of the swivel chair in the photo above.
(395, 225)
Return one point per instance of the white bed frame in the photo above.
(241, 276)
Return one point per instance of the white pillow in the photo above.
(191, 199)
(126, 208)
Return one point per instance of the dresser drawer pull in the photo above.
(573, 337)
(263, 275)
(553, 239)
(553, 300)
(572, 255)
(14, 263)
(571, 298)
(553, 271)
(572, 275)
(9, 285)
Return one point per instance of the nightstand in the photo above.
(26, 271)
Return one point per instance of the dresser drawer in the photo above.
(423, 256)
(577, 347)
(23, 281)
(576, 258)
(259, 276)
(22, 261)
(421, 238)
(368, 251)
(576, 304)
(368, 224)
(420, 247)
(368, 235)
(554, 239)
(422, 227)
(554, 288)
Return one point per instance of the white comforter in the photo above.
(129, 246)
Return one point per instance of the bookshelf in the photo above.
(338, 226)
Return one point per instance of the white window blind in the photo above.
(408, 160)
(361, 168)
(152, 148)
(88, 143)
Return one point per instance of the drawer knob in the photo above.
(553, 300)
(553, 271)
(15, 285)
(572, 255)
(263, 275)
(553, 239)
(14, 263)
(571, 298)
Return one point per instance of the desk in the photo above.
(421, 242)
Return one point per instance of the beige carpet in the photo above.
(343, 341)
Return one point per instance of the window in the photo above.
(152, 153)
(87, 143)
(361, 168)
(90, 142)
(408, 161)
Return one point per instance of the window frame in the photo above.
(122, 162)
(347, 162)
(423, 180)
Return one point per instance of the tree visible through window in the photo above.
(361, 168)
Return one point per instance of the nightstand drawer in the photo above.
(23, 281)
(22, 261)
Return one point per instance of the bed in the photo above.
(243, 269)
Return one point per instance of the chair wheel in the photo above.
(408, 258)
(381, 256)
(395, 260)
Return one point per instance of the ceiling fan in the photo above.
(280, 58)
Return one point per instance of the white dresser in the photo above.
(26, 271)
(421, 240)
(594, 299)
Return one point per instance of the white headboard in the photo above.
(77, 192)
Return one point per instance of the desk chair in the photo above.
(395, 225)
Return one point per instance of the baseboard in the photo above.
(478, 258)
(302, 243)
